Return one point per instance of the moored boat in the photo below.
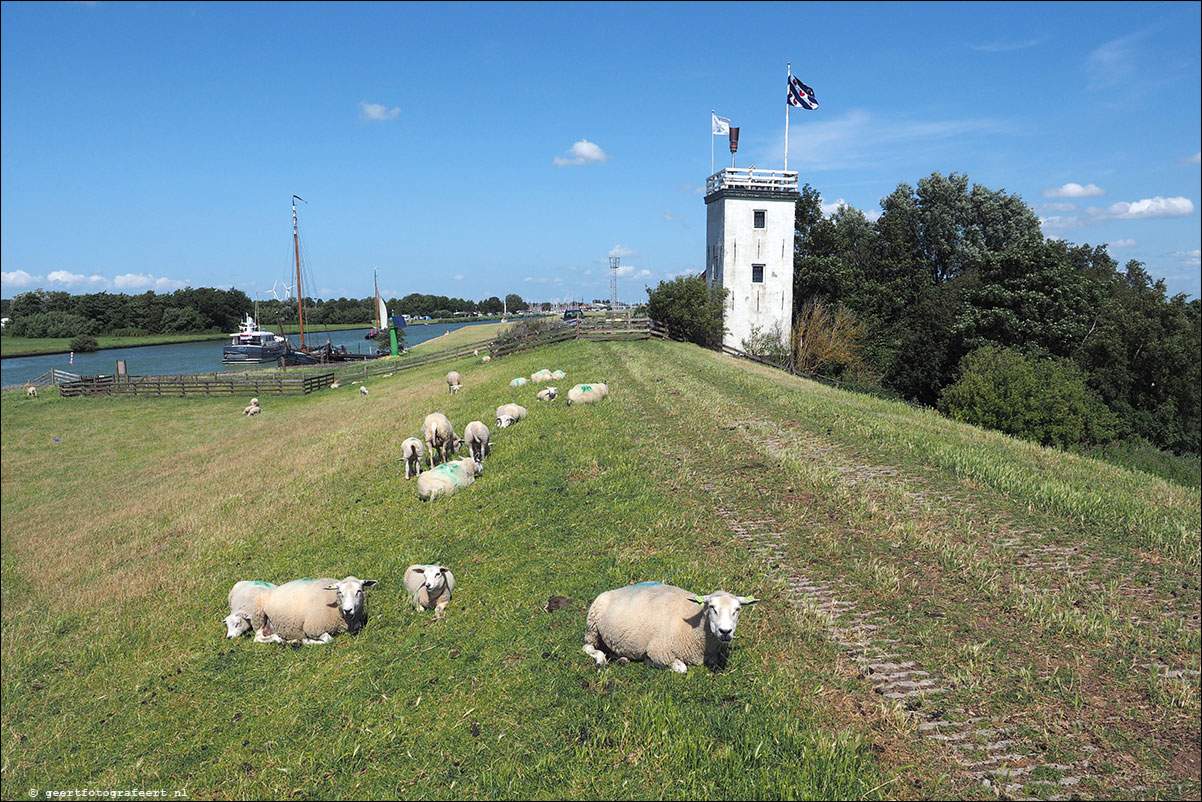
(251, 344)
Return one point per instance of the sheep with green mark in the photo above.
(311, 610)
(447, 479)
(586, 393)
(242, 598)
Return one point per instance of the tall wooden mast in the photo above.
(300, 294)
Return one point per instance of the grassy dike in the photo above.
(121, 539)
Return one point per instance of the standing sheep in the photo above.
(253, 409)
(475, 436)
(509, 414)
(31, 391)
(665, 625)
(310, 610)
(363, 390)
(584, 393)
(430, 587)
(243, 596)
(447, 479)
(439, 436)
(547, 394)
(453, 382)
(411, 454)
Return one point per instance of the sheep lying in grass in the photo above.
(430, 587)
(543, 375)
(242, 598)
(486, 358)
(253, 409)
(411, 454)
(519, 381)
(585, 393)
(547, 394)
(310, 610)
(454, 382)
(475, 436)
(662, 624)
(439, 437)
(509, 414)
(447, 479)
(334, 384)
(557, 375)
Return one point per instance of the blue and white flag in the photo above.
(721, 124)
(801, 95)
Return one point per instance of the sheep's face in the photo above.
(505, 421)
(433, 576)
(722, 613)
(350, 594)
(236, 624)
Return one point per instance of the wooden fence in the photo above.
(206, 384)
(600, 330)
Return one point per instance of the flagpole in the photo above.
(713, 114)
(788, 88)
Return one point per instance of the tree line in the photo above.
(954, 298)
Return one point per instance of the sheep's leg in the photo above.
(596, 654)
(441, 606)
(679, 667)
(326, 637)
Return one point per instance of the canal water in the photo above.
(199, 357)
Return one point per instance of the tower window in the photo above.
(757, 274)
(759, 218)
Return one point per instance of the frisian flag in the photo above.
(801, 95)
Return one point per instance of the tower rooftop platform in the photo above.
(751, 182)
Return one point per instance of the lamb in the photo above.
(584, 393)
(447, 479)
(476, 437)
(557, 375)
(411, 454)
(439, 437)
(430, 587)
(543, 375)
(661, 624)
(334, 384)
(453, 382)
(547, 394)
(242, 598)
(253, 409)
(310, 610)
(519, 381)
(486, 358)
(509, 414)
(31, 391)
(363, 390)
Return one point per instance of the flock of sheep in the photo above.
(664, 625)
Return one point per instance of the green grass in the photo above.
(468, 335)
(115, 672)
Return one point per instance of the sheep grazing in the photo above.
(253, 409)
(509, 414)
(476, 352)
(430, 587)
(310, 610)
(486, 358)
(411, 453)
(439, 437)
(475, 436)
(543, 375)
(557, 375)
(31, 391)
(519, 381)
(242, 598)
(453, 382)
(584, 393)
(662, 624)
(334, 384)
(547, 394)
(447, 479)
(363, 390)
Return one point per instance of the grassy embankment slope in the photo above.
(468, 335)
(121, 541)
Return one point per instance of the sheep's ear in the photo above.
(331, 587)
(745, 600)
(367, 583)
(698, 599)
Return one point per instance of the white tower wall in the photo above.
(749, 248)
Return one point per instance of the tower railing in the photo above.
(752, 178)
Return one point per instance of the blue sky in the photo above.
(475, 150)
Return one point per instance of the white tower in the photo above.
(749, 248)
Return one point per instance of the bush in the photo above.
(1137, 454)
(1044, 400)
(85, 343)
(768, 344)
(52, 324)
(826, 340)
(690, 308)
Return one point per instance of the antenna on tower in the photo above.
(613, 281)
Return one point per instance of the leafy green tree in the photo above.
(514, 302)
(690, 308)
(84, 343)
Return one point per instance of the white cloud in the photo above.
(129, 282)
(829, 209)
(625, 270)
(69, 279)
(1006, 47)
(1195, 159)
(1072, 190)
(1151, 207)
(1112, 63)
(644, 273)
(1192, 258)
(1056, 207)
(583, 152)
(17, 278)
(622, 251)
(458, 277)
(1123, 243)
(378, 111)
